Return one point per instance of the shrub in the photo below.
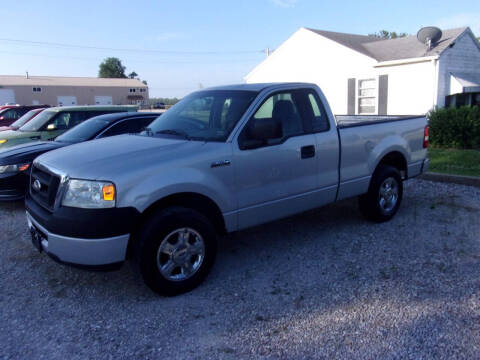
(455, 127)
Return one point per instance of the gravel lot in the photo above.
(320, 285)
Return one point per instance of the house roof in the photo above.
(392, 49)
(469, 81)
(18, 80)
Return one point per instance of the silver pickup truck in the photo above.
(221, 160)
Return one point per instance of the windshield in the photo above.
(20, 122)
(38, 121)
(208, 115)
(84, 131)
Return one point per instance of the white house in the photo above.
(366, 75)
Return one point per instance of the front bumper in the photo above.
(94, 238)
(94, 253)
(13, 186)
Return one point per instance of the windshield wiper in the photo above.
(174, 132)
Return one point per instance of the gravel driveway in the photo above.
(323, 284)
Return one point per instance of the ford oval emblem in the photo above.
(37, 185)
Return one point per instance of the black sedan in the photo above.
(15, 162)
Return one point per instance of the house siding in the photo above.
(309, 57)
(463, 57)
(411, 88)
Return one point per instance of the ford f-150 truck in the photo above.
(221, 160)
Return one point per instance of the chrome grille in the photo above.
(43, 187)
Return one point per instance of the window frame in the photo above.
(257, 107)
(321, 107)
(37, 89)
(100, 135)
(375, 97)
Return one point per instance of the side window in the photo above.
(60, 121)
(67, 120)
(281, 109)
(12, 114)
(320, 119)
(129, 126)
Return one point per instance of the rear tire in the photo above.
(384, 195)
(175, 250)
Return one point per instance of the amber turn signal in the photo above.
(108, 192)
(23, 167)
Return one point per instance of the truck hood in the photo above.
(24, 153)
(110, 158)
(12, 136)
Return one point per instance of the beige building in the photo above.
(63, 91)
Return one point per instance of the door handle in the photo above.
(35, 137)
(307, 151)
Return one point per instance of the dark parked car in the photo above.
(159, 105)
(15, 162)
(9, 115)
(23, 120)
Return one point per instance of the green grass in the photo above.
(455, 162)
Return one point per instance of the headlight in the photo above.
(13, 168)
(3, 141)
(89, 194)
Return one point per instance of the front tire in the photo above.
(384, 195)
(175, 250)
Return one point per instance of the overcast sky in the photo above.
(178, 45)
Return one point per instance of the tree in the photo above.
(145, 82)
(132, 75)
(385, 34)
(112, 68)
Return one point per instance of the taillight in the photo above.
(425, 137)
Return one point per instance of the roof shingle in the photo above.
(392, 49)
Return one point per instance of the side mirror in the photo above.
(259, 131)
(266, 129)
(51, 127)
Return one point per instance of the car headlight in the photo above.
(89, 194)
(3, 141)
(14, 168)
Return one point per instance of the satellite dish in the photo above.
(429, 35)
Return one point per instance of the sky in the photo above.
(180, 46)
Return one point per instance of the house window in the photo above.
(132, 90)
(37, 89)
(367, 96)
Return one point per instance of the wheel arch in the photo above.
(395, 159)
(201, 203)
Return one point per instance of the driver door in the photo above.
(276, 179)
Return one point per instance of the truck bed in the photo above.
(365, 140)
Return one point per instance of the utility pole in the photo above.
(267, 51)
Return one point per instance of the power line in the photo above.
(155, 51)
(143, 61)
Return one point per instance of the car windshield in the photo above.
(38, 121)
(24, 119)
(208, 115)
(84, 131)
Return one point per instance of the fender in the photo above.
(389, 144)
(149, 190)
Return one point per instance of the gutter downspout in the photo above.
(435, 82)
